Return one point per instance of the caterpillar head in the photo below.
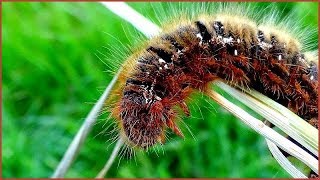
(144, 118)
(142, 122)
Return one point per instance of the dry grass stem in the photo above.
(283, 161)
(83, 132)
(111, 159)
(266, 131)
(278, 115)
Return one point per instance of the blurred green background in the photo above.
(52, 75)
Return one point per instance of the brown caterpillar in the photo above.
(195, 52)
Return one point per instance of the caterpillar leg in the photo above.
(185, 108)
(172, 125)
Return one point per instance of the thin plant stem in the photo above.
(83, 132)
(278, 115)
(283, 161)
(111, 159)
(266, 131)
(141, 23)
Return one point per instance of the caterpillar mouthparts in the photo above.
(194, 53)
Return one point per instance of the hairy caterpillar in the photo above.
(227, 44)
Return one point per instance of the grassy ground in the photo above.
(51, 78)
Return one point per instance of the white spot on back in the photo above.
(228, 40)
(199, 36)
(312, 77)
(161, 61)
(279, 57)
(265, 45)
(235, 52)
(238, 40)
(158, 98)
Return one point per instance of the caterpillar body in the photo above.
(190, 54)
